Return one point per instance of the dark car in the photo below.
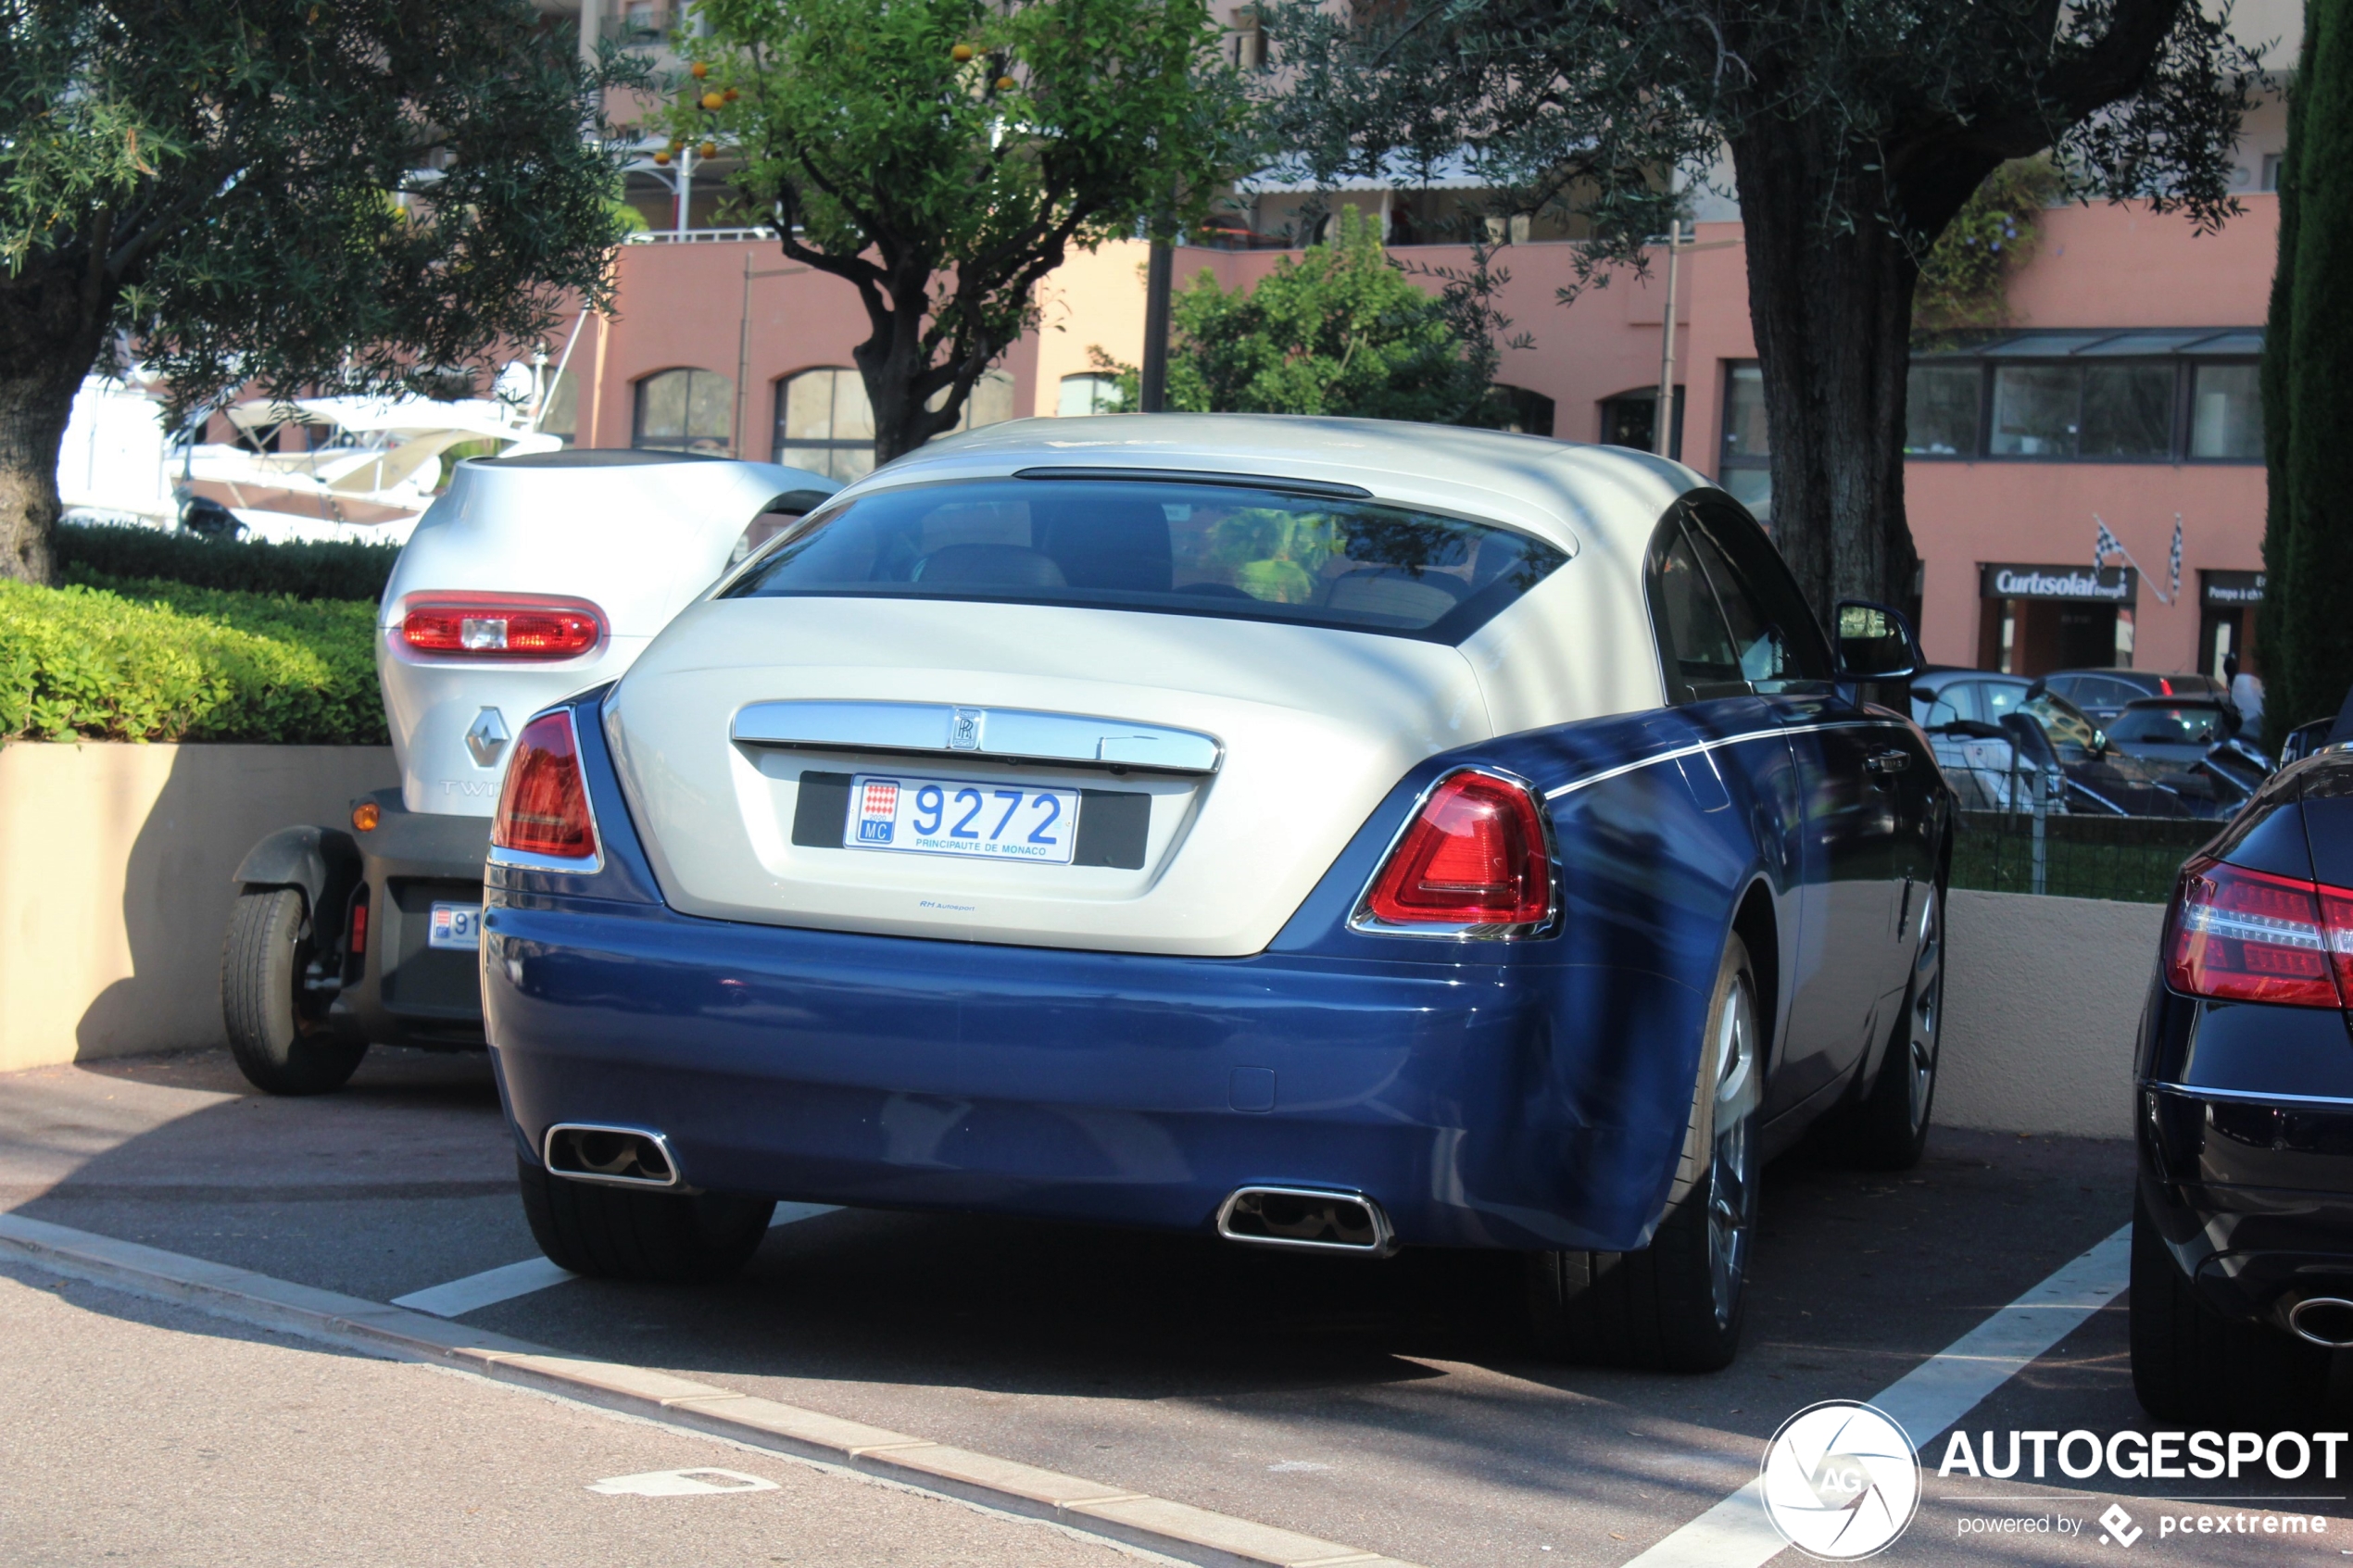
(1943, 695)
(2242, 1272)
(2176, 730)
(2103, 694)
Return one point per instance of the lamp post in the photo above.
(743, 343)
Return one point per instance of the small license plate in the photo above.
(958, 816)
(455, 925)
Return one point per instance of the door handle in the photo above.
(1893, 761)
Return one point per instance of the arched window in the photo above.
(825, 424)
(684, 411)
(990, 402)
(1531, 411)
(1630, 419)
(1092, 393)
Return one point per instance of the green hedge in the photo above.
(111, 551)
(167, 661)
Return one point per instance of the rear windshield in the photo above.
(1168, 547)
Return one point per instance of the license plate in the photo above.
(455, 925)
(959, 817)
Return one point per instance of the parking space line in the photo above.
(509, 1281)
(1925, 1400)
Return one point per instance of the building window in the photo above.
(2034, 410)
(2272, 171)
(825, 424)
(2128, 411)
(1744, 468)
(1532, 412)
(1940, 409)
(1090, 394)
(2226, 413)
(1630, 419)
(686, 410)
(990, 402)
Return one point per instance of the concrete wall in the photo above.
(2042, 997)
(114, 881)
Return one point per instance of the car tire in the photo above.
(2192, 1365)
(1677, 1304)
(279, 1036)
(620, 1232)
(1889, 1130)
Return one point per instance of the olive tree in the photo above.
(342, 195)
(1853, 134)
(943, 156)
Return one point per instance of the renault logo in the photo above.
(487, 738)
(963, 729)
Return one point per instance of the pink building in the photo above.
(2124, 394)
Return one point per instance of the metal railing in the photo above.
(2131, 860)
(697, 236)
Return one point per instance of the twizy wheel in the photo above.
(1889, 1131)
(277, 1030)
(1676, 1305)
(615, 1233)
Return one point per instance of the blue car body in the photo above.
(1531, 1094)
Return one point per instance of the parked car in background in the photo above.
(532, 577)
(2242, 1269)
(1942, 695)
(2103, 694)
(2176, 730)
(1326, 834)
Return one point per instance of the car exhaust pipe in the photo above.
(2324, 1320)
(1307, 1220)
(629, 1157)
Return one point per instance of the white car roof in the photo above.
(1566, 494)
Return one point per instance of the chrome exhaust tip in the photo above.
(2324, 1320)
(629, 1157)
(1307, 1221)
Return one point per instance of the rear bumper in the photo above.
(1512, 1106)
(402, 991)
(2245, 1150)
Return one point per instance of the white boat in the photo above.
(369, 468)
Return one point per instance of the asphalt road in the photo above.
(1392, 1406)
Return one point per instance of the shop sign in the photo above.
(2108, 584)
(2226, 590)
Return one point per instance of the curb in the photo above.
(1174, 1529)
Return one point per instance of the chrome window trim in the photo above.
(1362, 918)
(932, 729)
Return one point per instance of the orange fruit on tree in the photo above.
(961, 53)
(662, 158)
(708, 149)
(1004, 84)
(731, 95)
(699, 70)
(712, 100)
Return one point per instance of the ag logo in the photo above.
(1840, 1480)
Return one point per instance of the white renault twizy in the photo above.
(533, 577)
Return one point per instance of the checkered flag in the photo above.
(2173, 566)
(2105, 546)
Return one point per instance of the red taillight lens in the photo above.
(1474, 855)
(542, 807)
(2249, 936)
(502, 625)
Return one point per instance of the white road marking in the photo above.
(494, 1286)
(681, 1483)
(1925, 1400)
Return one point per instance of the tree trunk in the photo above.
(1832, 316)
(893, 363)
(51, 324)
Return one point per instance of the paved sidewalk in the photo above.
(138, 1432)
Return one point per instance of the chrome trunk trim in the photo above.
(945, 730)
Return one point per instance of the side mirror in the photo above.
(1875, 642)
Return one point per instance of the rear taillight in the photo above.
(2249, 936)
(1474, 855)
(542, 807)
(501, 625)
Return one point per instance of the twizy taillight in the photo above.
(1474, 855)
(502, 625)
(2249, 936)
(542, 807)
